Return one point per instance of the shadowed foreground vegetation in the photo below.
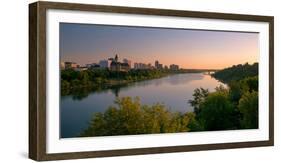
(234, 107)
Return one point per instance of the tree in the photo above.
(84, 78)
(235, 91)
(65, 87)
(248, 106)
(194, 124)
(250, 84)
(130, 118)
(237, 72)
(217, 112)
(199, 96)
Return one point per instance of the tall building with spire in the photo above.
(116, 58)
(119, 66)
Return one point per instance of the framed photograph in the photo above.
(112, 81)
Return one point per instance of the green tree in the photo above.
(65, 87)
(217, 112)
(237, 72)
(248, 106)
(84, 78)
(250, 84)
(235, 91)
(199, 95)
(194, 124)
(130, 117)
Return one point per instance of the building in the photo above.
(142, 66)
(136, 65)
(89, 65)
(174, 67)
(118, 66)
(125, 67)
(70, 65)
(115, 66)
(105, 63)
(95, 66)
(156, 64)
(127, 61)
(92, 65)
(62, 66)
(160, 66)
(150, 66)
(139, 65)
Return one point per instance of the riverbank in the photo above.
(236, 72)
(73, 82)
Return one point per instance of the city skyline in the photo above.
(106, 63)
(190, 49)
(121, 59)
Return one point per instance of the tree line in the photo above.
(237, 72)
(73, 82)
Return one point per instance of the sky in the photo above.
(190, 49)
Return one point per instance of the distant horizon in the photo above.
(190, 49)
(152, 63)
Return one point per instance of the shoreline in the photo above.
(111, 84)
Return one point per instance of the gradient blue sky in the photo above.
(88, 43)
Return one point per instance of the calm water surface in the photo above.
(174, 91)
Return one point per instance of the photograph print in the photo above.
(130, 80)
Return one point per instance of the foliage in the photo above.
(235, 107)
(199, 96)
(217, 112)
(248, 106)
(238, 88)
(129, 117)
(231, 107)
(237, 72)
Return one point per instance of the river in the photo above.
(174, 91)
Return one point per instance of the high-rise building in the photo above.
(149, 66)
(156, 64)
(142, 66)
(174, 67)
(136, 65)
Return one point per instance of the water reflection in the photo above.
(174, 79)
